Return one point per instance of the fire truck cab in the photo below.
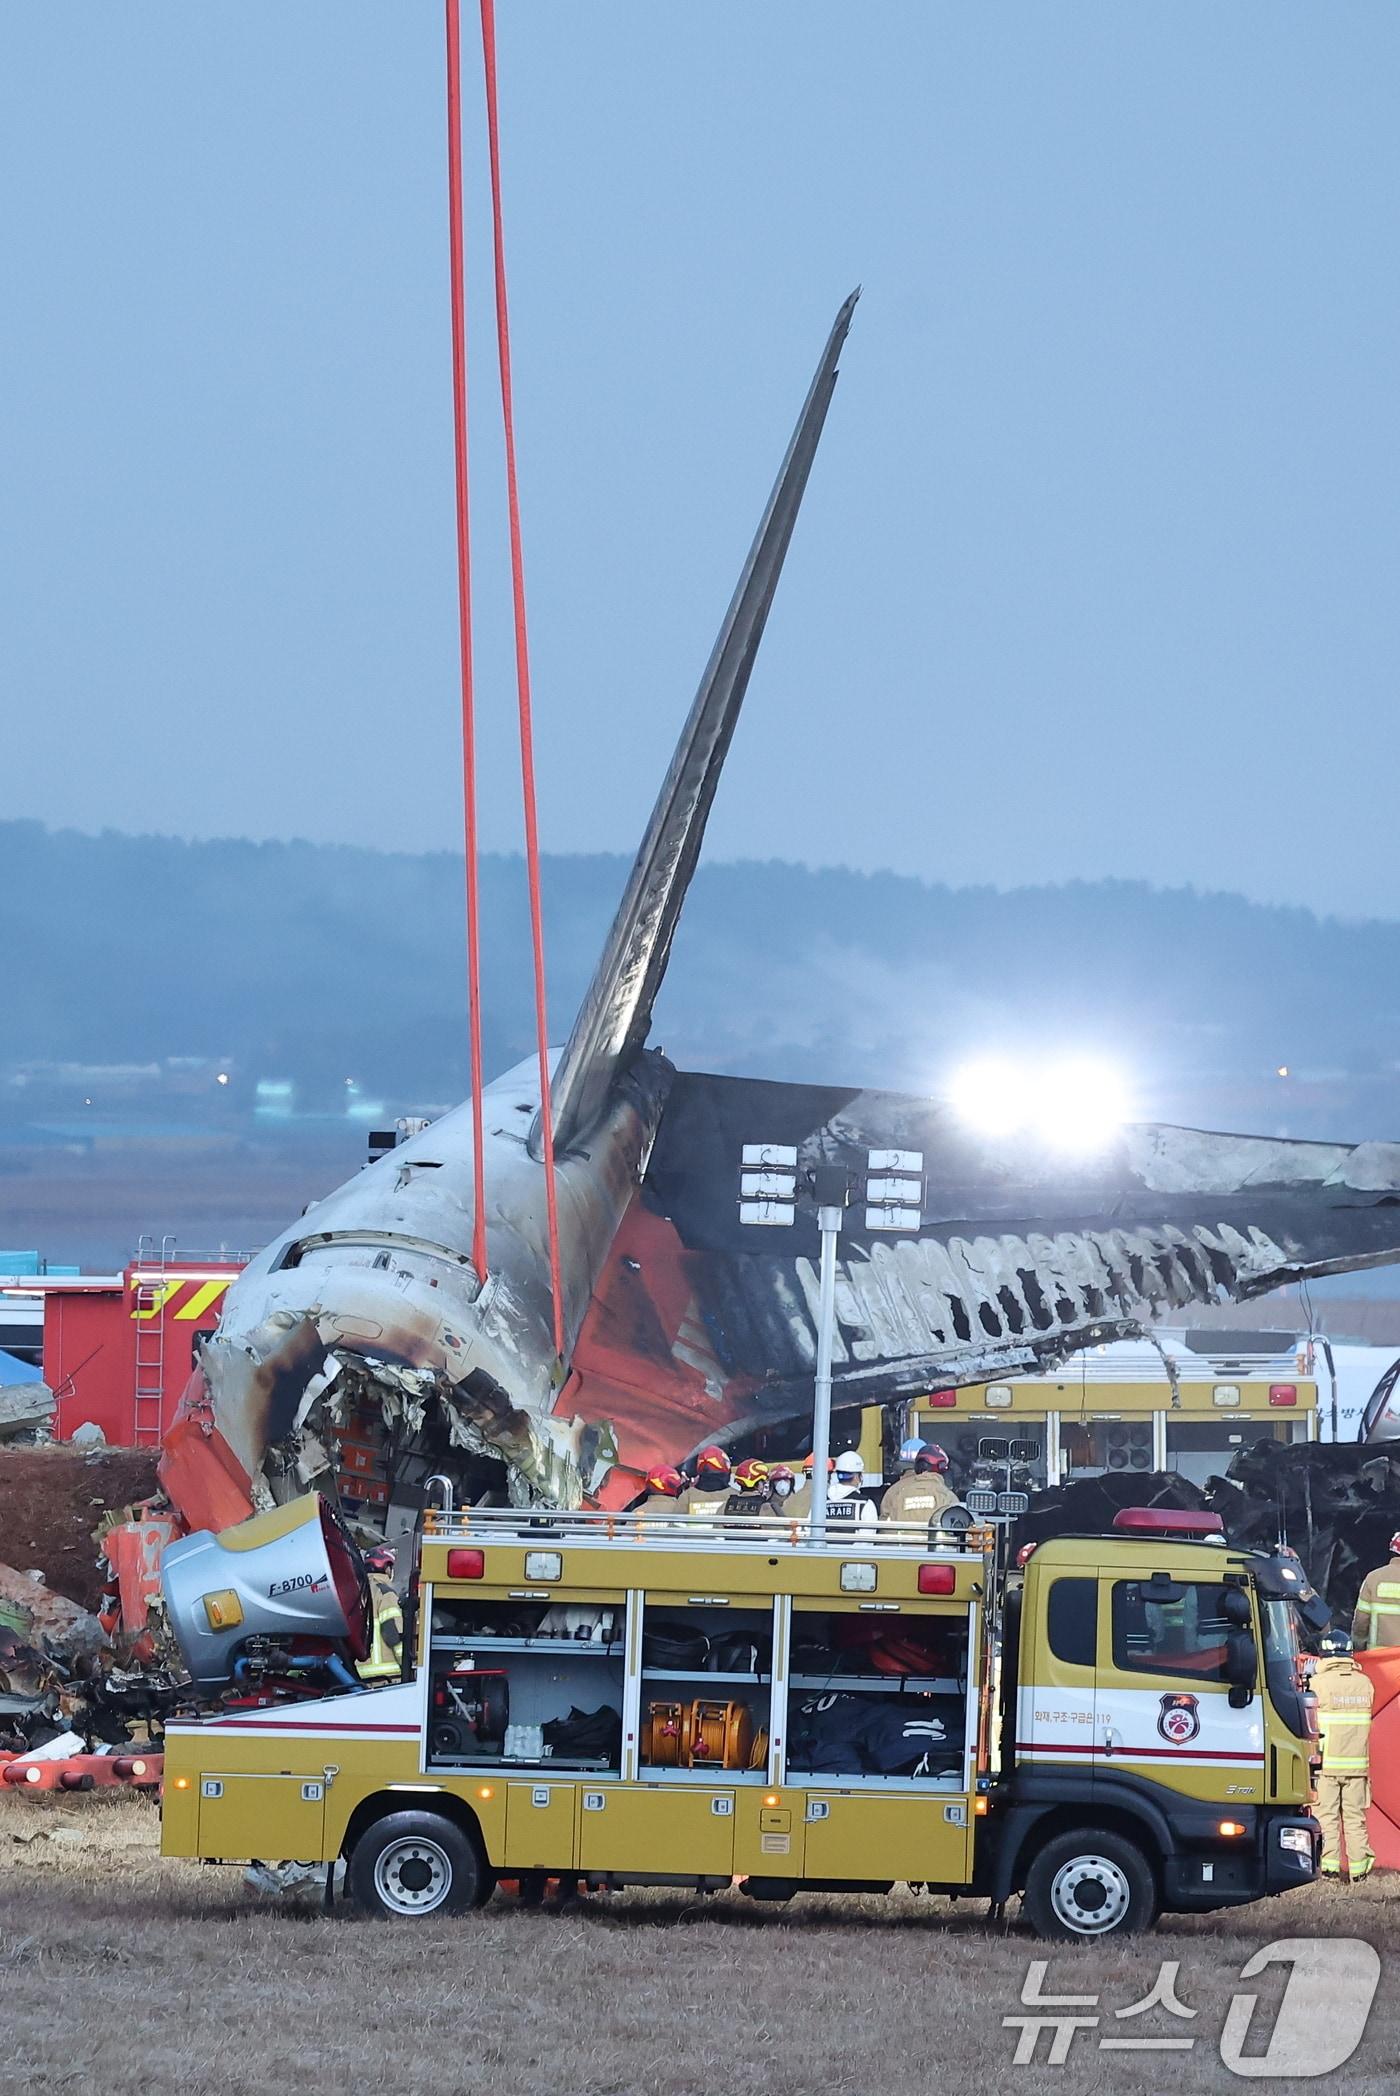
(1116, 1731)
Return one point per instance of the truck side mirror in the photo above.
(1234, 1607)
(1241, 1667)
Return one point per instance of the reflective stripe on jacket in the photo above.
(1377, 1618)
(1344, 1698)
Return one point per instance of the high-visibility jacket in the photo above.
(1344, 1698)
(917, 1497)
(385, 1660)
(1377, 1618)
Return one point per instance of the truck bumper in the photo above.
(1285, 1854)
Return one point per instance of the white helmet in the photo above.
(849, 1464)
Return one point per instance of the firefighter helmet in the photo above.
(781, 1480)
(1395, 1544)
(911, 1450)
(666, 1480)
(712, 1462)
(1335, 1644)
(809, 1462)
(379, 1558)
(750, 1474)
(932, 1457)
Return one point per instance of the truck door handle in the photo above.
(1110, 1739)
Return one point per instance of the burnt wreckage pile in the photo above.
(1337, 1506)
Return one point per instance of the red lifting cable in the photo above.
(464, 616)
(522, 668)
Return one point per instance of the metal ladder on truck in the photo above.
(149, 1297)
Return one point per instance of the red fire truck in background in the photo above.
(117, 1349)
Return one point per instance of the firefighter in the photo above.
(845, 1498)
(1344, 1695)
(923, 1491)
(799, 1507)
(664, 1488)
(782, 1487)
(750, 1494)
(1377, 1618)
(714, 1481)
(385, 1660)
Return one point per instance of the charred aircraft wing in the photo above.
(615, 1015)
(1021, 1257)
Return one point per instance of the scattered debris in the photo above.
(26, 1412)
(30, 1608)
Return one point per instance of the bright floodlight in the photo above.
(990, 1096)
(1081, 1105)
(1075, 1105)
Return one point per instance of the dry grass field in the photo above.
(121, 1973)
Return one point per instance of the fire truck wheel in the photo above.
(412, 1864)
(1084, 1885)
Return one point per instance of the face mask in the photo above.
(782, 1487)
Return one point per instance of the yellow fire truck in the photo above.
(1118, 1730)
(1114, 1409)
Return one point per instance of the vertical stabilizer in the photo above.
(615, 1015)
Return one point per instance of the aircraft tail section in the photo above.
(615, 1015)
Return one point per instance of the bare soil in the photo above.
(122, 1972)
(51, 1500)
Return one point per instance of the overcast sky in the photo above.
(1097, 569)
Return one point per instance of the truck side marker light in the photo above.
(772, 1798)
(1230, 1826)
(466, 1564)
(1283, 1394)
(979, 1807)
(486, 1791)
(182, 1782)
(938, 1579)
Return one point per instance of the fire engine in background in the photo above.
(669, 1702)
(1115, 1408)
(117, 1349)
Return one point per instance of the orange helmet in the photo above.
(712, 1462)
(750, 1474)
(809, 1462)
(666, 1479)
